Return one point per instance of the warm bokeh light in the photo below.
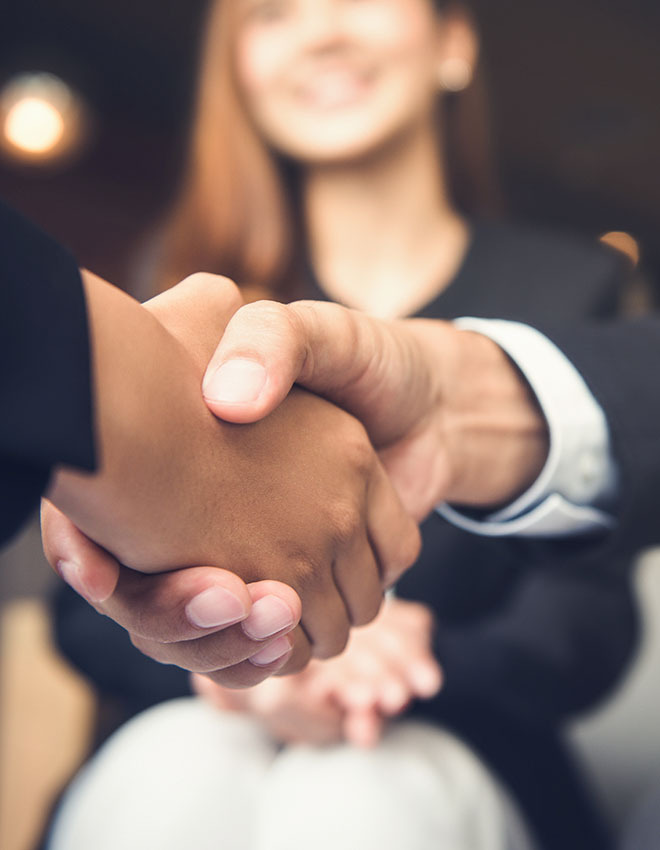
(34, 125)
(623, 242)
(42, 120)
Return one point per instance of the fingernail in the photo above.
(235, 382)
(74, 576)
(277, 649)
(268, 616)
(215, 607)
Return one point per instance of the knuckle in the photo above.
(333, 644)
(296, 663)
(213, 288)
(307, 575)
(368, 610)
(299, 657)
(272, 324)
(356, 446)
(347, 522)
(266, 314)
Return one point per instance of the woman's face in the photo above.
(333, 80)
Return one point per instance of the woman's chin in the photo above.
(335, 149)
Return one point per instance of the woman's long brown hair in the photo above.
(236, 213)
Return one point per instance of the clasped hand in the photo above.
(294, 513)
(385, 666)
(293, 491)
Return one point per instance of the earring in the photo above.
(454, 74)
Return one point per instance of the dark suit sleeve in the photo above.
(620, 363)
(44, 367)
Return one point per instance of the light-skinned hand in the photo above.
(451, 416)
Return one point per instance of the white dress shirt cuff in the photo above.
(579, 479)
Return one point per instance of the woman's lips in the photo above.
(333, 89)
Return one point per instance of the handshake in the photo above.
(253, 501)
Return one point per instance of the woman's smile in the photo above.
(334, 88)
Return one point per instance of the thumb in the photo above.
(369, 367)
(260, 356)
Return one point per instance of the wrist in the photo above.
(495, 434)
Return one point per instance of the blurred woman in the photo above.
(340, 151)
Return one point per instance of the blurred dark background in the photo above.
(574, 86)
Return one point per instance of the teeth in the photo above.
(334, 90)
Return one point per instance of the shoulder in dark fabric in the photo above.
(45, 369)
(532, 274)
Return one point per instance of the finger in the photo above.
(231, 658)
(87, 568)
(410, 660)
(257, 361)
(363, 728)
(359, 682)
(419, 470)
(289, 654)
(415, 664)
(357, 577)
(162, 610)
(415, 667)
(394, 535)
(267, 347)
(245, 674)
(375, 682)
(367, 366)
(156, 610)
(425, 678)
(181, 605)
(261, 624)
(300, 655)
(407, 643)
(394, 695)
(221, 651)
(276, 608)
(325, 620)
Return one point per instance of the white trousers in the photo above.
(184, 775)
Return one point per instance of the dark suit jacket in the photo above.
(525, 640)
(46, 416)
(528, 637)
